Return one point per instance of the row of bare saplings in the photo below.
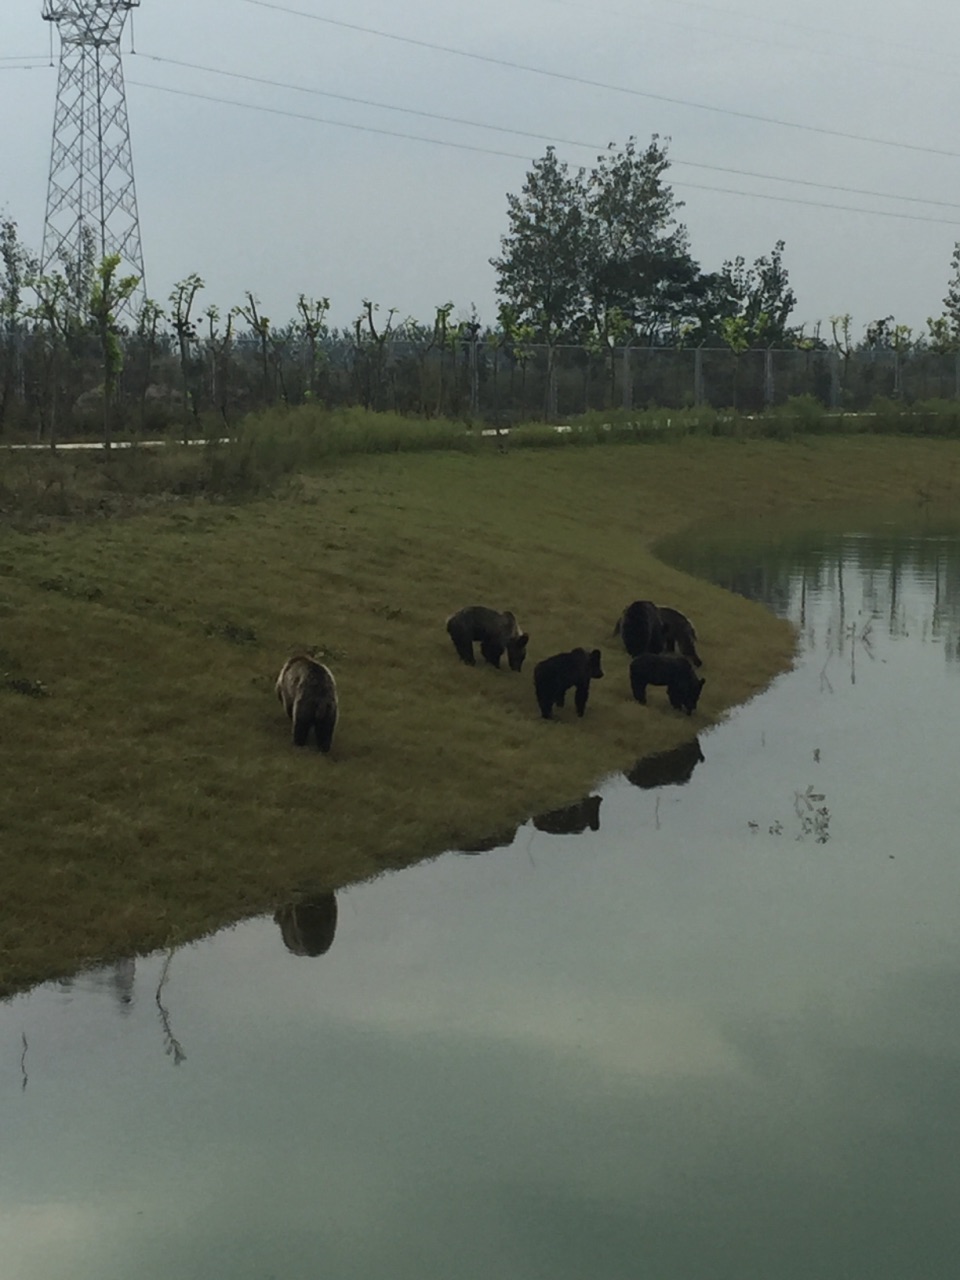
(56, 391)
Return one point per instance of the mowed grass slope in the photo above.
(154, 794)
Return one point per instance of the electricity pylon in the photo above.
(91, 198)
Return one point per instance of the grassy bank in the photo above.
(150, 792)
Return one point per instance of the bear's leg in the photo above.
(302, 724)
(639, 688)
(583, 693)
(688, 649)
(545, 697)
(325, 727)
(492, 651)
(560, 698)
(464, 647)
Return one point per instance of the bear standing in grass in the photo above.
(671, 669)
(679, 633)
(498, 633)
(640, 628)
(554, 676)
(308, 692)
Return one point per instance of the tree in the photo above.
(540, 269)
(107, 296)
(637, 261)
(759, 297)
(17, 269)
(56, 321)
(312, 327)
(951, 302)
(191, 363)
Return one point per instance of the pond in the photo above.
(702, 1024)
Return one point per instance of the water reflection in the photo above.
(571, 820)
(571, 1066)
(308, 927)
(908, 583)
(672, 768)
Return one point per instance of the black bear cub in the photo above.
(671, 669)
(554, 676)
(496, 632)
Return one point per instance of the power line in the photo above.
(465, 146)
(542, 137)
(600, 84)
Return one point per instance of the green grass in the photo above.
(151, 793)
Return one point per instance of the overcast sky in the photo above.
(814, 124)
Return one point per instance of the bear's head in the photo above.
(596, 671)
(517, 650)
(689, 695)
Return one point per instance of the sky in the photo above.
(365, 151)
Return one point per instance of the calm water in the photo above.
(713, 1034)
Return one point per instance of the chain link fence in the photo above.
(479, 380)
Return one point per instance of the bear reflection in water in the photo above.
(570, 821)
(667, 768)
(308, 927)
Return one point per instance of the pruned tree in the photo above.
(312, 327)
(17, 268)
(182, 299)
(55, 320)
(107, 295)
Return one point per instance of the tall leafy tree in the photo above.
(540, 267)
(637, 261)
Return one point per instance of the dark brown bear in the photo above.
(554, 676)
(678, 633)
(497, 633)
(308, 692)
(640, 628)
(671, 669)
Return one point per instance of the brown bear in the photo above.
(554, 676)
(308, 692)
(679, 633)
(640, 628)
(496, 632)
(671, 669)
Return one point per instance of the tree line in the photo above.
(594, 267)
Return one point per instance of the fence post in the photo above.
(834, 379)
(474, 376)
(768, 389)
(698, 397)
(627, 375)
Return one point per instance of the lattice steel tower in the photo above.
(91, 195)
